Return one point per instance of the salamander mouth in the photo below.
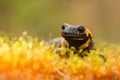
(74, 36)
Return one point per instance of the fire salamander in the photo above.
(78, 37)
(75, 36)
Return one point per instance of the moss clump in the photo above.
(27, 58)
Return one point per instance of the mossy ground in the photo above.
(27, 58)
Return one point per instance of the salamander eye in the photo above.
(63, 27)
(81, 29)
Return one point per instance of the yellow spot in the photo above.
(88, 32)
(77, 38)
(85, 44)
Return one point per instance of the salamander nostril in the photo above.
(81, 29)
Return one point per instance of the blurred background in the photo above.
(43, 18)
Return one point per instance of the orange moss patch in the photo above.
(26, 58)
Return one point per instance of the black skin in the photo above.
(75, 36)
